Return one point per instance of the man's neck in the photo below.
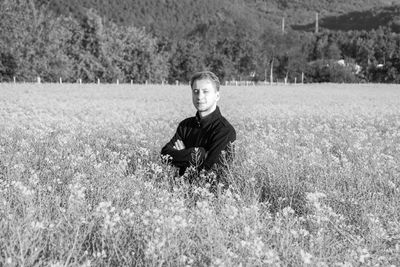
(206, 113)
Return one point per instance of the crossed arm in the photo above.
(182, 156)
(179, 145)
(198, 156)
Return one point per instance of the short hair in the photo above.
(203, 75)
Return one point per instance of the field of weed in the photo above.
(315, 181)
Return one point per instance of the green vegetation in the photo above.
(166, 41)
(175, 19)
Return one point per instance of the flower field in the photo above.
(315, 181)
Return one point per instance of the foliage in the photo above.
(175, 19)
(186, 58)
(331, 71)
(36, 43)
(167, 41)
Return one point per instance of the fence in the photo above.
(284, 81)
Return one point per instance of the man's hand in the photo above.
(179, 145)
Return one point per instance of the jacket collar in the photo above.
(203, 122)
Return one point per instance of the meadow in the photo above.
(315, 180)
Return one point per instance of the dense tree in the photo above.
(228, 37)
(186, 58)
(37, 43)
(135, 54)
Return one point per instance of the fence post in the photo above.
(302, 77)
(98, 81)
(131, 82)
(38, 79)
(117, 81)
(60, 80)
(295, 80)
(15, 80)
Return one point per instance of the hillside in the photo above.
(171, 19)
(176, 19)
(359, 20)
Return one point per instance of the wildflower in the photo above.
(304, 232)
(156, 169)
(24, 190)
(77, 197)
(231, 212)
(376, 227)
(344, 264)
(287, 211)
(391, 185)
(314, 197)
(37, 225)
(87, 263)
(306, 257)
(218, 262)
(34, 179)
(364, 255)
(294, 233)
(247, 230)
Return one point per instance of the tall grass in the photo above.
(316, 178)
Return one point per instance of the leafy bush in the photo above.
(330, 71)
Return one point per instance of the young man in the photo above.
(200, 140)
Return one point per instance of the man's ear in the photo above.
(218, 96)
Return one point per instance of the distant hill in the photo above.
(359, 20)
(171, 18)
(176, 19)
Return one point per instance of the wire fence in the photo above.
(40, 80)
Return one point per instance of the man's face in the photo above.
(204, 96)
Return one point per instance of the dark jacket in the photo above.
(202, 136)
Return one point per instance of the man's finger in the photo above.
(178, 143)
(181, 144)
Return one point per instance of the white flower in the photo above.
(314, 197)
(306, 257)
(364, 255)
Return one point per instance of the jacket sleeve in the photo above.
(185, 157)
(221, 141)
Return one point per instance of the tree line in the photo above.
(36, 42)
